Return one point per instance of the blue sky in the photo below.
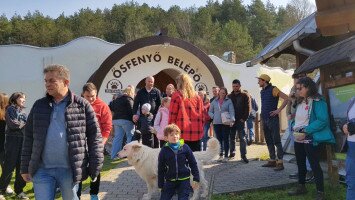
(54, 8)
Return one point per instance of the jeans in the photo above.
(206, 128)
(46, 180)
(304, 151)
(238, 127)
(350, 171)
(181, 187)
(12, 160)
(250, 128)
(272, 136)
(222, 132)
(122, 127)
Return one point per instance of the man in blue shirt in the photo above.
(62, 143)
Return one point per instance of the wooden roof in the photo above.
(341, 52)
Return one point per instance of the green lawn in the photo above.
(332, 193)
(108, 164)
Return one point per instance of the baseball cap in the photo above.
(264, 77)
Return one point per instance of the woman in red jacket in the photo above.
(186, 111)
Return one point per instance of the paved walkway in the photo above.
(235, 176)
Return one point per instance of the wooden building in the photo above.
(324, 41)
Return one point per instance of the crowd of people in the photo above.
(60, 142)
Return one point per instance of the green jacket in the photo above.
(319, 124)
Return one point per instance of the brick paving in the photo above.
(122, 182)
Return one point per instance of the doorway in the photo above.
(162, 79)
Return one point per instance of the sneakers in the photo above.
(299, 190)
(224, 160)
(279, 165)
(116, 158)
(220, 159)
(9, 190)
(231, 156)
(309, 177)
(94, 197)
(245, 159)
(270, 163)
(23, 196)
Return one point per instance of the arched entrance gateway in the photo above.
(160, 56)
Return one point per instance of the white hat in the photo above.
(146, 107)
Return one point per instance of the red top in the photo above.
(187, 114)
(104, 116)
(206, 107)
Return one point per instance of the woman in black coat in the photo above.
(15, 121)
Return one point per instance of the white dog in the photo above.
(145, 162)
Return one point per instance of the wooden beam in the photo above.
(334, 30)
(352, 26)
(336, 16)
(322, 5)
(348, 2)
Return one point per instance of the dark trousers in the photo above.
(238, 128)
(2, 151)
(94, 187)
(194, 145)
(222, 132)
(150, 140)
(304, 151)
(272, 136)
(182, 188)
(12, 160)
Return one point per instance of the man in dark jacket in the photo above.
(242, 107)
(148, 94)
(62, 142)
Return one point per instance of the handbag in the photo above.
(299, 136)
(226, 118)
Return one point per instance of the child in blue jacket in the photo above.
(174, 164)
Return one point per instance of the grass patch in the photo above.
(108, 165)
(331, 192)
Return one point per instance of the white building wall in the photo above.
(21, 68)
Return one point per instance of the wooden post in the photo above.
(262, 136)
(256, 128)
(332, 167)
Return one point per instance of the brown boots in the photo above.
(270, 163)
(273, 163)
(279, 165)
